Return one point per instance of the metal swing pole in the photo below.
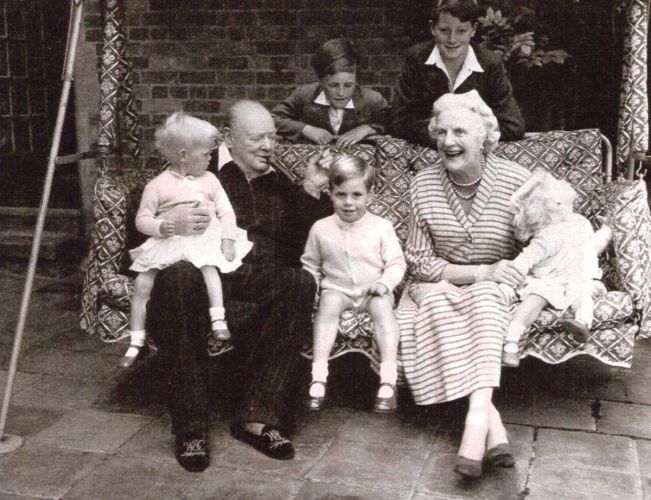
(9, 443)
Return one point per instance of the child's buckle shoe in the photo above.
(133, 354)
(315, 403)
(221, 334)
(511, 354)
(386, 405)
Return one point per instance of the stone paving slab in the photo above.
(131, 478)
(60, 392)
(322, 424)
(21, 380)
(625, 419)
(313, 490)
(545, 411)
(27, 421)
(643, 449)
(583, 449)
(236, 454)
(44, 472)
(368, 427)
(229, 484)
(76, 365)
(91, 430)
(440, 481)
(583, 465)
(387, 466)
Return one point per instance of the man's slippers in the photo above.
(271, 442)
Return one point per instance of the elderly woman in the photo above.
(449, 63)
(453, 315)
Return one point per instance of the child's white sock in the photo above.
(388, 375)
(137, 341)
(217, 318)
(319, 374)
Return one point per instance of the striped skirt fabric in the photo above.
(451, 344)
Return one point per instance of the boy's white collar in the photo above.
(470, 65)
(323, 100)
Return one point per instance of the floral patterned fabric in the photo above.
(574, 155)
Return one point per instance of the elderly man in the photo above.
(277, 216)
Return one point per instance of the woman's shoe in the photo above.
(510, 354)
(500, 456)
(467, 467)
(315, 403)
(386, 405)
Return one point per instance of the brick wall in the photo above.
(201, 55)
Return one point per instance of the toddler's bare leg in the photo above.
(216, 300)
(141, 292)
(523, 317)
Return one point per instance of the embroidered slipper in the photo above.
(271, 442)
(192, 452)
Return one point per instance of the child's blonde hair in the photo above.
(345, 167)
(182, 131)
(539, 202)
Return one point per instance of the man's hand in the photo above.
(228, 249)
(191, 220)
(317, 135)
(375, 289)
(354, 136)
(167, 228)
(316, 175)
(503, 271)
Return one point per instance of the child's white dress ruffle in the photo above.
(202, 249)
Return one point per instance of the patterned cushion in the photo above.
(574, 156)
(613, 346)
(393, 158)
(609, 310)
(395, 209)
(628, 210)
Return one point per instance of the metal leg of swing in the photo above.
(9, 443)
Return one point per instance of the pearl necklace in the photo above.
(456, 184)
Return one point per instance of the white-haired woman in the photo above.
(453, 316)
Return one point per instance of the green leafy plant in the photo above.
(515, 42)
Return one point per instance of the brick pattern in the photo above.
(202, 55)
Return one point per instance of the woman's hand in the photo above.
(167, 228)
(228, 249)
(503, 271)
(190, 220)
(354, 136)
(317, 135)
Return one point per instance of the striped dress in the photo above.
(451, 344)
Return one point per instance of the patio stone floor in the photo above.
(579, 430)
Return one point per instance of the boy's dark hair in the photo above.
(464, 10)
(334, 56)
(345, 167)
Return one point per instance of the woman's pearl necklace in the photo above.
(456, 184)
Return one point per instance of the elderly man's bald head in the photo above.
(243, 109)
(250, 134)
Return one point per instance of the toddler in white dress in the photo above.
(560, 262)
(186, 142)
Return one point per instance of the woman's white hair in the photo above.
(474, 103)
(182, 131)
